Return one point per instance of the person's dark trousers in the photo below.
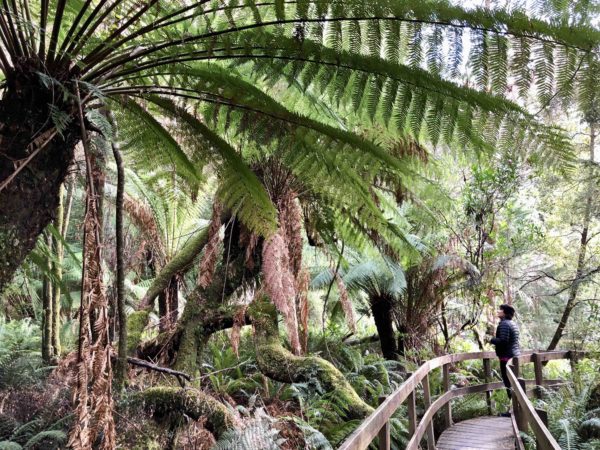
(503, 363)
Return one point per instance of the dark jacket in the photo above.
(507, 339)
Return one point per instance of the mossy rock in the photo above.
(8, 425)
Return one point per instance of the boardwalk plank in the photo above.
(482, 433)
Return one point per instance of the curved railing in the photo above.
(524, 414)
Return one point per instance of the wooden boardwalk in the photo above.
(482, 433)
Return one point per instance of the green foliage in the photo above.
(371, 377)
(571, 423)
(8, 445)
(228, 374)
(50, 439)
(259, 432)
(37, 435)
(20, 358)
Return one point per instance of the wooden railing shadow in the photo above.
(524, 413)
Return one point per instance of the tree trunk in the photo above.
(163, 311)
(29, 200)
(47, 303)
(165, 402)
(572, 299)
(200, 320)
(58, 250)
(381, 308)
(121, 366)
(179, 264)
(402, 333)
(173, 300)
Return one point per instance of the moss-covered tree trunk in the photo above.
(279, 364)
(47, 304)
(58, 249)
(200, 320)
(121, 366)
(173, 406)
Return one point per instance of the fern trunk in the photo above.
(168, 304)
(381, 308)
(28, 198)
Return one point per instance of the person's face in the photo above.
(500, 314)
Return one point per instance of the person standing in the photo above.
(506, 342)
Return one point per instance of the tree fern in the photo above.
(121, 53)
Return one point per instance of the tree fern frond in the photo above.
(139, 128)
(241, 190)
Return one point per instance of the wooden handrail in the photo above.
(379, 419)
(526, 414)
(413, 444)
(369, 428)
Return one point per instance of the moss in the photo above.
(200, 319)
(170, 405)
(187, 352)
(278, 363)
(177, 265)
(136, 324)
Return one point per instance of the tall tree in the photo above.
(583, 243)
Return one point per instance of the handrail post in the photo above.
(487, 374)
(384, 433)
(516, 367)
(521, 418)
(539, 374)
(448, 407)
(412, 411)
(573, 360)
(427, 403)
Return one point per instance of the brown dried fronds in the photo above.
(93, 393)
(280, 284)
(141, 215)
(290, 216)
(249, 241)
(302, 282)
(239, 320)
(208, 262)
(346, 303)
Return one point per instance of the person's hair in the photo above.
(509, 311)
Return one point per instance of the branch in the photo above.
(150, 366)
(178, 264)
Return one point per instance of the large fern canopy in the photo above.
(224, 83)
